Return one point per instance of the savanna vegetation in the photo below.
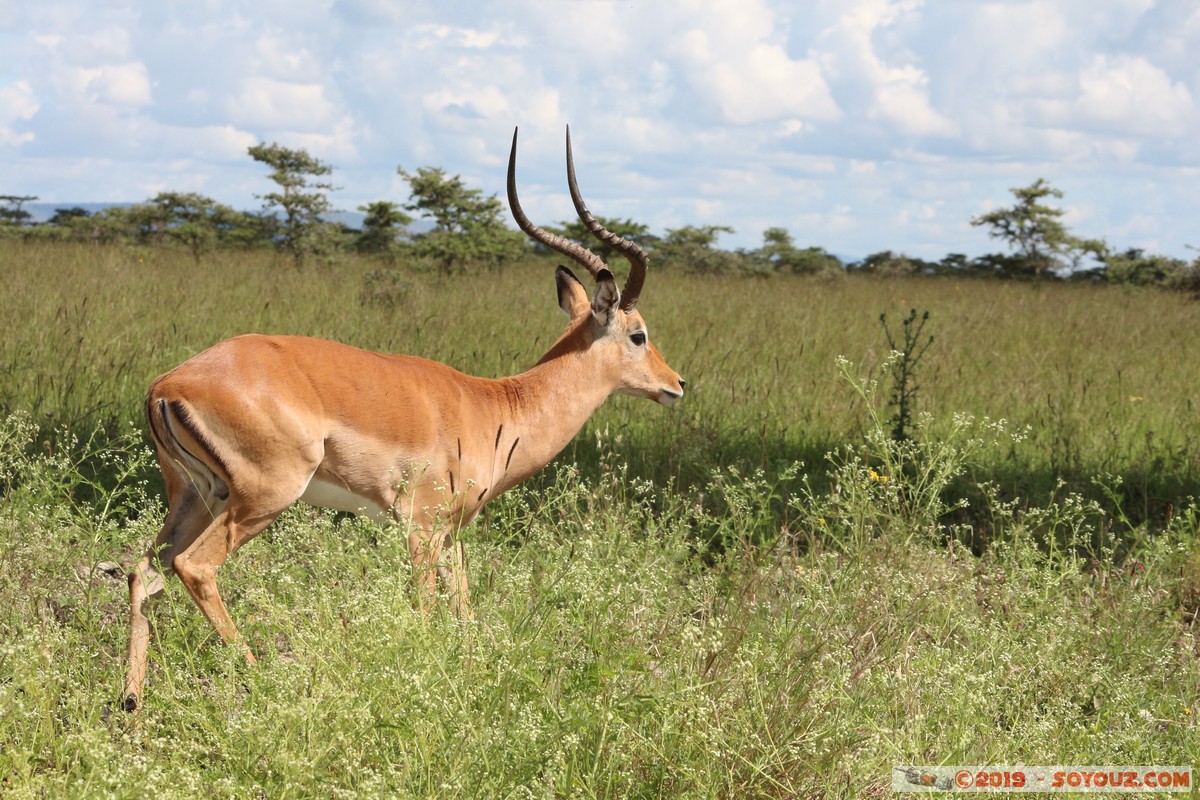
(907, 514)
(849, 549)
(465, 229)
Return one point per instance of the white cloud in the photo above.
(736, 60)
(766, 84)
(432, 36)
(126, 85)
(902, 100)
(593, 32)
(1132, 95)
(335, 145)
(17, 103)
(286, 59)
(371, 12)
(111, 43)
(487, 102)
(899, 95)
(266, 103)
(10, 14)
(208, 143)
(861, 125)
(1017, 35)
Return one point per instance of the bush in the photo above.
(384, 287)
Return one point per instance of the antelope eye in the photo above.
(638, 338)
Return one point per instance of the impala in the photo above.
(255, 423)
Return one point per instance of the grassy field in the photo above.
(755, 593)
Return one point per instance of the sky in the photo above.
(858, 125)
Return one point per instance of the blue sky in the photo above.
(858, 125)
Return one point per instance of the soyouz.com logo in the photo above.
(1041, 779)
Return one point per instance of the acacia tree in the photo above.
(194, 221)
(781, 254)
(302, 197)
(468, 227)
(382, 224)
(1138, 267)
(12, 211)
(66, 216)
(69, 223)
(576, 231)
(694, 249)
(1035, 231)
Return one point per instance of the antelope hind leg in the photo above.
(144, 583)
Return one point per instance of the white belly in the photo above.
(330, 495)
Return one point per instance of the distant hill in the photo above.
(40, 212)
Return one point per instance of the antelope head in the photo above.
(607, 325)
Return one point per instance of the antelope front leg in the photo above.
(429, 552)
(425, 550)
(454, 578)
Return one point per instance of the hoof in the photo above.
(130, 703)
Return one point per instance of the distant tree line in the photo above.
(466, 229)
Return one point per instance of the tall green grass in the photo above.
(1104, 377)
(608, 658)
(756, 593)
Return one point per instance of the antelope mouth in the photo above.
(668, 396)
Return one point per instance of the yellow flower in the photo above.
(875, 476)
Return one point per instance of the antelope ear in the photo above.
(572, 295)
(604, 304)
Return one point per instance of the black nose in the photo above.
(682, 383)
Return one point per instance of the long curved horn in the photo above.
(634, 254)
(576, 252)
